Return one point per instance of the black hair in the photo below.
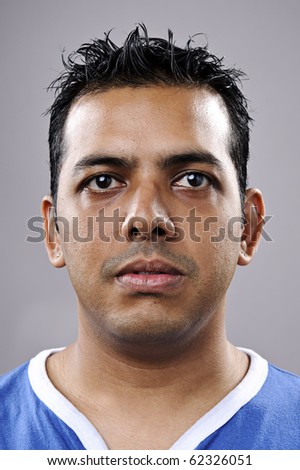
(142, 61)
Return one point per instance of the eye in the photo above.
(192, 179)
(103, 182)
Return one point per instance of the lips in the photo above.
(153, 276)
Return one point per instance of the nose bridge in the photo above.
(148, 202)
(147, 210)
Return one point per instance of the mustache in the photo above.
(111, 265)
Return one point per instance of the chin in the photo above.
(151, 331)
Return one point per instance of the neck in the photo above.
(117, 390)
(205, 359)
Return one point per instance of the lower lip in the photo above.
(149, 283)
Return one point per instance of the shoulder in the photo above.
(271, 417)
(279, 395)
(283, 379)
(273, 414)
(267, 417)
(12, 382)
(272, 378)
(15, 397)
(25, 421)
(16, 385)
(14, 388)
(283, 385)
(284, 374)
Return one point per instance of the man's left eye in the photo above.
(192, 180)
(103, 182)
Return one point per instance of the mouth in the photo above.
(153, 276)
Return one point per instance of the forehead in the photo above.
(148, 121)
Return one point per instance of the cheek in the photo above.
(84, 249)
(215, 245)
(83, 262)
(92, 226)
(213, 229)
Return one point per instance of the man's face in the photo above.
(147, 180)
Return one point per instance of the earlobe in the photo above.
(254, 211)
(52, 239)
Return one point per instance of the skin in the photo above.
(166, 348)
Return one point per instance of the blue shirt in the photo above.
(262, 412)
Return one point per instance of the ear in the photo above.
(254, 211)
(52, 240)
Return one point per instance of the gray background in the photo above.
(38, 308)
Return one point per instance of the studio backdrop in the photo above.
(38, 308)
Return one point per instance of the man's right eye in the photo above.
(103, 182)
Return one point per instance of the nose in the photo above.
(147, 217)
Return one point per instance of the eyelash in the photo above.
(209, 179)
(111, 175)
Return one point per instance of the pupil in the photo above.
(195, 179)
(103, 181)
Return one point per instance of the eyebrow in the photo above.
(132, 163)
(191, 157)
(95, 160)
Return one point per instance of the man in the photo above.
(150, 213)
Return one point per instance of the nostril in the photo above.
(160, 232)
(139, 228)
(135, 232)
(163, 227)
(137, 235)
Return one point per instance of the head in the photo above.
(155, 139)
(140, 62)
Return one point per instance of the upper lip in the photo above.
(153, 266)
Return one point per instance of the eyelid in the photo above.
(211, 180)
(87, 181)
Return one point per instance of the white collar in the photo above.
(204, 427)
